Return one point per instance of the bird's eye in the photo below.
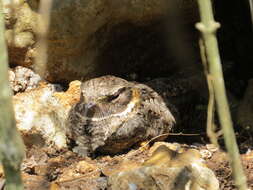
(115, 95)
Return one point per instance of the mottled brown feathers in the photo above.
(113, 114)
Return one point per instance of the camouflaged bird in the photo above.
(114, 114)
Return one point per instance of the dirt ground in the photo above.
(44, 168)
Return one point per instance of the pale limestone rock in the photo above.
(23, 79)
(21, 25)
(39, 113)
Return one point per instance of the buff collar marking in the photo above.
(134, 101)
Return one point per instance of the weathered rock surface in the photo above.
(165, 170)
(32, 182)
(41, 114)
(96, 37)
(83, 183)
(23, 79)
(21, 25)
(162, 178)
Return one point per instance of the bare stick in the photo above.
(11, 144)
(210, 128)
(208, 28)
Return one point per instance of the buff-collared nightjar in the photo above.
(114, 114)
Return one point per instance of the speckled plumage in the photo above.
(113, 114)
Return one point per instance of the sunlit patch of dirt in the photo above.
(45, 168)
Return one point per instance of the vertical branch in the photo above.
(210, 109)
(208, 28)
(42, 31)
(11, 144)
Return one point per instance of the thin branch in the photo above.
(210, 128)
(11, 144)
(208, 28)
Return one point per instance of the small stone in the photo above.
(206, 154)
(32, 182)
(99, 183)
(84, 167)
(80, 169)
(23, 79)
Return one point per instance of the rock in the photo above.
(81, 169)
(41, 113)
(20, 32)
(165, 170)
(40, 117)
(82, 183)
(158, 177)
(88, 42)
(35, 182)
(122, 165)
(71, 96)
(23, 79)
(169, 157)
(35, 161)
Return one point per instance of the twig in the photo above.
(208, 28)
(210, 128)
(11, 145)
(171, 134)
